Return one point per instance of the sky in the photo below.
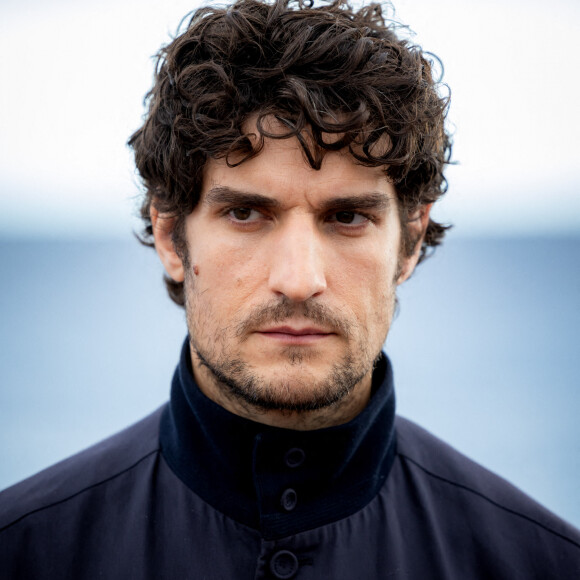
(74, 75)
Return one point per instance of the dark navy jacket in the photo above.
(194, 492)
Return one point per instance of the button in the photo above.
(284, 564)
(294, 457)
(289, 499)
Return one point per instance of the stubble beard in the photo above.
(239, 381)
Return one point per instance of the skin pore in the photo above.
(290, 280)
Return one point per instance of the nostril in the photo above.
(297, 284)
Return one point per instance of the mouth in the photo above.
(295, 336)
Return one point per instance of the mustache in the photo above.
(279, 311)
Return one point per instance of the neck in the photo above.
(239, 466)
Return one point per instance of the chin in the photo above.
(296, 386)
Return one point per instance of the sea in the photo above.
(485, 347)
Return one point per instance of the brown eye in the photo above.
(349, 218)
(345, 217)
(241, 213)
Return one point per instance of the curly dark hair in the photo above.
(319, 70)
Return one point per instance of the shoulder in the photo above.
(468, 490)
(93, 467)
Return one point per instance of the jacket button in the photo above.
(289, 499)
(284, 564)
(294, 457)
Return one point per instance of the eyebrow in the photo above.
(369, 201)
(221, 195)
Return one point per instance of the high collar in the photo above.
(278, 481)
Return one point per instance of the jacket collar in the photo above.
(278, 481)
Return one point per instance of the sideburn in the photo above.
(175, 289)
(409, 240)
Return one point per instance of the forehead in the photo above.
(282, 171)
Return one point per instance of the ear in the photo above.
(416, 225)
(162, 230)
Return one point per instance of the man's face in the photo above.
(290, 282)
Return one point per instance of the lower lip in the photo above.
(295, 339)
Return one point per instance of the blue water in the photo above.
(486, 350)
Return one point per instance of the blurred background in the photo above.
(486, 346)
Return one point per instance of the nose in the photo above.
(297, 261)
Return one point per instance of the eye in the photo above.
(350, 218)
(243, 214)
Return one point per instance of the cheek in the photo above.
(228, 273)
(366, 277)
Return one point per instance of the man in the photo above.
(290, 157)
